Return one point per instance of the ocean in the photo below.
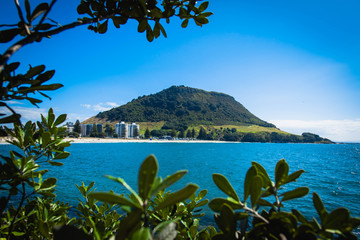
(333, 171)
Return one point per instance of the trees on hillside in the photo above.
(202, 134)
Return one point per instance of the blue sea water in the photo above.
(333, 171)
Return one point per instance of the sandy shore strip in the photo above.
(121, 140)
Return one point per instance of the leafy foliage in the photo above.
(274, 223)
(21, 177)
(34, 25)
(145, 213)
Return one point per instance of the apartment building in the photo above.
(126, 130)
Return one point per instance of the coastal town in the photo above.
(122, 130)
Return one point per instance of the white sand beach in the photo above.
(129, 140)
(120, 140)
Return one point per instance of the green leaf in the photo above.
(201, 20)
(12, 66)
(295, 175)
(122, 182)
(296, 193)
(52, 163)
(146, 176)
(46, 138)
(17, 234)
(117, 21)
(336, 219)
(201, 194)
(226, 220)
(60, 119)
(156, 13)
(255, 190)
(224, 185)
(203, 6)
(207, 14)
(8, 35)
(40, 9)
(251, 173)
(48, 184)
(156, 30)
(33, 71)
(263, 174)
(263, 202)
(281, 172)
(202, 203)
(216, 204)
(143, 25)
(45, 76)
(149, 35)
(62, 155)
(102, 28)
(49, 87)
(162, 30)
(129, 224)
(28, 10)
(10, 119)
(142, 233)
(113, 198)
(178, 196)
(83, 8)
(33, 101)
(169, 180)
(299, 216)
(319, 206)
(185, 23)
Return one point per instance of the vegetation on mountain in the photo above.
(181, 107)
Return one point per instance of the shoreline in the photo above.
(129, 140)
(121, 140)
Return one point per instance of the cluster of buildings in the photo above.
(122, 129)
(126, 130)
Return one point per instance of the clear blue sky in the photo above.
(292, 63)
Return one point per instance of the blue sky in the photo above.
(292, 63)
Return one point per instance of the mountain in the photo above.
(194, 113)
(179, 105)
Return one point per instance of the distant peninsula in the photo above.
(190, 113)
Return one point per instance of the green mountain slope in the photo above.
(179, 105)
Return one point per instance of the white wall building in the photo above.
(125, 130)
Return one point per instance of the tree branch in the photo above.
(36, 36)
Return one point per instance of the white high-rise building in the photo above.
(122, 130)
(125, 130)
(134, 130)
